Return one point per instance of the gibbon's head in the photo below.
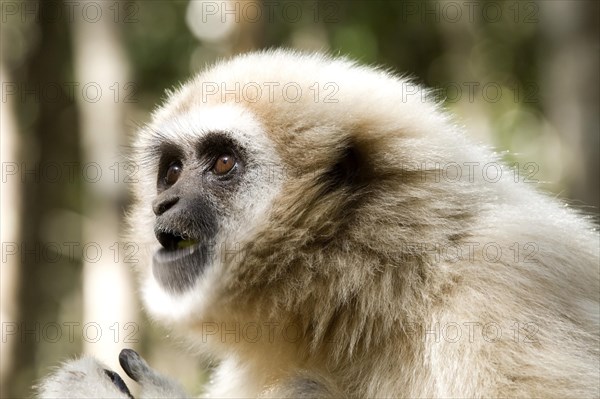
(281, 182)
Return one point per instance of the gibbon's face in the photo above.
(207, 190)
(261, 173)
(213, 185)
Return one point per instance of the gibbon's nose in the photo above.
(162, 204)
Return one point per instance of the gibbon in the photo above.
(325, 229)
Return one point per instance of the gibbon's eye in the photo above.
(223, 164)
(173, 173)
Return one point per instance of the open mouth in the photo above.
(179, 262)
(174, 247)
(172, 242)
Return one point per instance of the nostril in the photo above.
(161, 205)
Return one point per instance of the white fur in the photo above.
(82, 378)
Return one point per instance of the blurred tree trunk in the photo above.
(108, 293)
(250, 32)
(44, 281)
(10, 202)
(569, 70)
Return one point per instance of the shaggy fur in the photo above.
(354, 261)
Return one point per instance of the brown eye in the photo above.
(223, 164)
(173, 174)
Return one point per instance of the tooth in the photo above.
(185, 243)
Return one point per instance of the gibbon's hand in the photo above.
(83, 378)
(89, 378)
(153, 384)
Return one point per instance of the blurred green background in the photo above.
(79, 77)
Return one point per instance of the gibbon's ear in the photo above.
(349, 171)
